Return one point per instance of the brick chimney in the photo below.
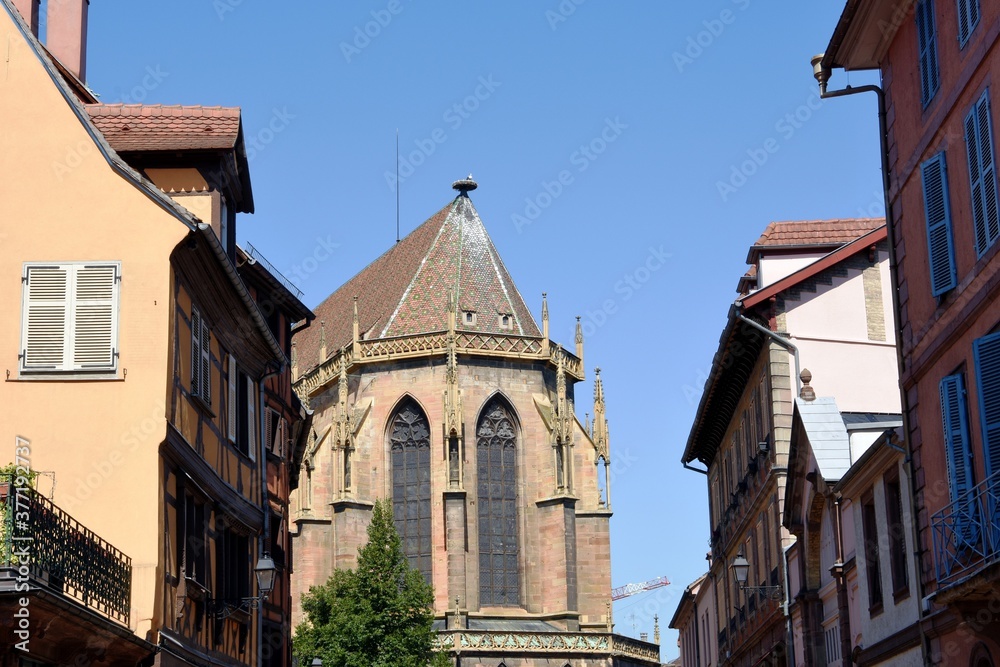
(29, 10)
(66, 34)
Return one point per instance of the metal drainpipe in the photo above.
(780, 340)
(822, 76)
(842, 604)
(265, 505)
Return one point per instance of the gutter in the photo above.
(822, 71)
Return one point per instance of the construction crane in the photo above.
(631, 589)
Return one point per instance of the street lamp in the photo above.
(741, 570)
(264, 571)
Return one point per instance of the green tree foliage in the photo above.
(378, 615)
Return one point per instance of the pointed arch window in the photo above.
(410, 446)
(496, 454)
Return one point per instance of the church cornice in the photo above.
(435, 344)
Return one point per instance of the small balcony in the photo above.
(43, 548)
(967, 533)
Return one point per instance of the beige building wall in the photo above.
(98, 438)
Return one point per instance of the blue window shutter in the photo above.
(956, 435)
(982, 173)
(937, 208)
(927, 43)
(987, 358)
(968, 19)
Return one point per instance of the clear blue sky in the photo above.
(666, 97)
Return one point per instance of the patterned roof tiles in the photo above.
(154, 127)
(406, 290)
(798, 233)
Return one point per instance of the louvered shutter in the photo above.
(937, 210)
(987, 357)
(70, 317)
(195, 352)
(959, 458)
(956, 435)
(45, 302)
(982, 173)
(232, 400)
(269, 423)
(206, 362)
(927, 44)
(251, 419)
(968, 18)
(95, 309)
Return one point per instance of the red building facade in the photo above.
(936, 59)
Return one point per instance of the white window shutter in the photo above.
(206, 362)
(195, 352)
(45, 303)
(95, 317)
(232, 398)
(251, 419)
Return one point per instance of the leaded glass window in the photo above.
(410, 446)
(496, 455)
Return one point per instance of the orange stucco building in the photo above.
(145, 384)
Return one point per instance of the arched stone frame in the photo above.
(981, 656)
(489, 498)
(408, 447)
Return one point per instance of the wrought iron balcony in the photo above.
(46, 548)
(967, 532)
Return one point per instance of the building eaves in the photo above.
(833, 258)
(732, 367)
(863, 33)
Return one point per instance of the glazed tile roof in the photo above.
(154, 127)
(406, 290)
(799, 233)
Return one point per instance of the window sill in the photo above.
(875, 610)
(202, 405)
(900, 594)
(65, 376)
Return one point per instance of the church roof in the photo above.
(406, 290)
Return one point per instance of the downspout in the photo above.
(794, 351)
(838, 571)
(780, 340)
(822, 75)
(264, 500)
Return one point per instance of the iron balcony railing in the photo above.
(43, 546)
(967, 532)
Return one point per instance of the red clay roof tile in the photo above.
(154, 127)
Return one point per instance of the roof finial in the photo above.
(465, 186)
(579, 338)
(807, 393)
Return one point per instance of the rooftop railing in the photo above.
(43, 546)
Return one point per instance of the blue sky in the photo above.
(627, 155)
